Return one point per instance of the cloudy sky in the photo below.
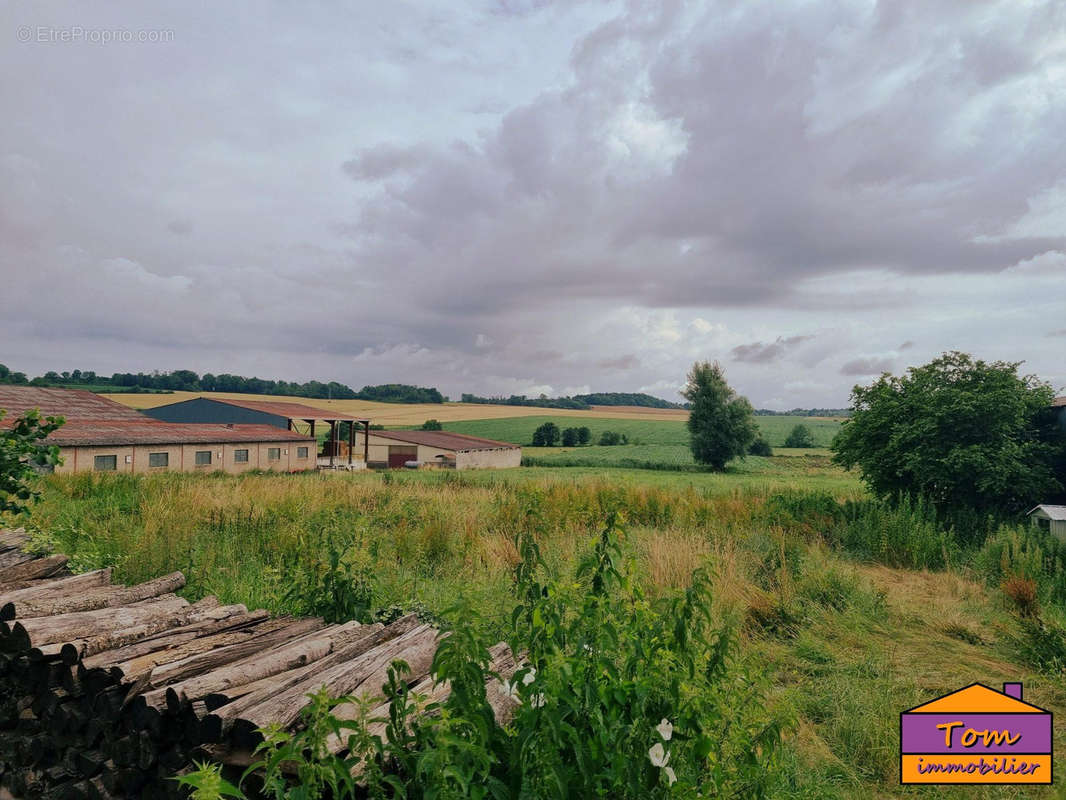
(525, 196)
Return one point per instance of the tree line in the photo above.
(581, 402)
(185, 380)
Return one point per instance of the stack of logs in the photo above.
(108, 691)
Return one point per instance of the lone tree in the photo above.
(721, 423)
(432, 425)
(968, 436)
(800, 436)
(584, 435)
(22, 452)
(546, 435)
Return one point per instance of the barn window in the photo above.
(159, 459)
(273, 453)
(105, 463)
(301, 452)
(203, 457)
(240, 456)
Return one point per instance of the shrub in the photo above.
(1025, 553)
(432, 425)
(904, 533)
(570, 437)
(584, 435)
(800, 436)
(1022, 592)
(613, 438)
(546, 435)
(760, 447)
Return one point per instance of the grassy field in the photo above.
(519, 430)
(846, 643)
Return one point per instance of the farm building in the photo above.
(436, 448)
(1050, 518)
(1060, 404)
(106, 436)
(280, 414)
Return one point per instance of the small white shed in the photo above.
(1050, 518)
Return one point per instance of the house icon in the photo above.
(976, 735)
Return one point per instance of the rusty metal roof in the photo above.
(70, 403)
(1059, 401)
(117, 433)
(286, 409)
(445, 440)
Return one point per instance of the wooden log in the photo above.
(292, 655)
(32, 570)
(283, 708)
(11, 539)
(261, 690)
(53, 587)
(12, 558)
(103, 597)
(224, 618)
(40, 631)
(260, 638)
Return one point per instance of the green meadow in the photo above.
(849, 612)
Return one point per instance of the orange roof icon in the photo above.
(977, 698)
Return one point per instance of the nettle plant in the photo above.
(619, 696)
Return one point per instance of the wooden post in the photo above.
(332, 439)
(366, 443)
(351, 440)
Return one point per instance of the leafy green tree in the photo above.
(610, 439)
(721, 423)
(570, 437)
(969, 436)
(546, 435)
(800, 436)
(22, 451)
(584, 435)
(432, 425)
(760, 447)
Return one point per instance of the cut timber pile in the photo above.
(108, 691)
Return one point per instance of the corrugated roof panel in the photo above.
(284, 409)
(70, 403)
(119, 433)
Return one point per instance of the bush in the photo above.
(904, 533)
(800, 436)
(584, 435)
(570, 437)
(546, 435)
(1025, 553)
(612, 438)
(760, 447)
(432, 425)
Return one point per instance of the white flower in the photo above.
(658, 755)
(511, 690)
(665, 729)
(529, 677)
(670, 776)
(536, 701)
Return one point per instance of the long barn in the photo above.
(100, 435)
(436, 448)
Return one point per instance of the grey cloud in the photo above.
(867, 366)
(356, 183)
(1059, 332)
(764, 353)
(625, 362)
(907, 345)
